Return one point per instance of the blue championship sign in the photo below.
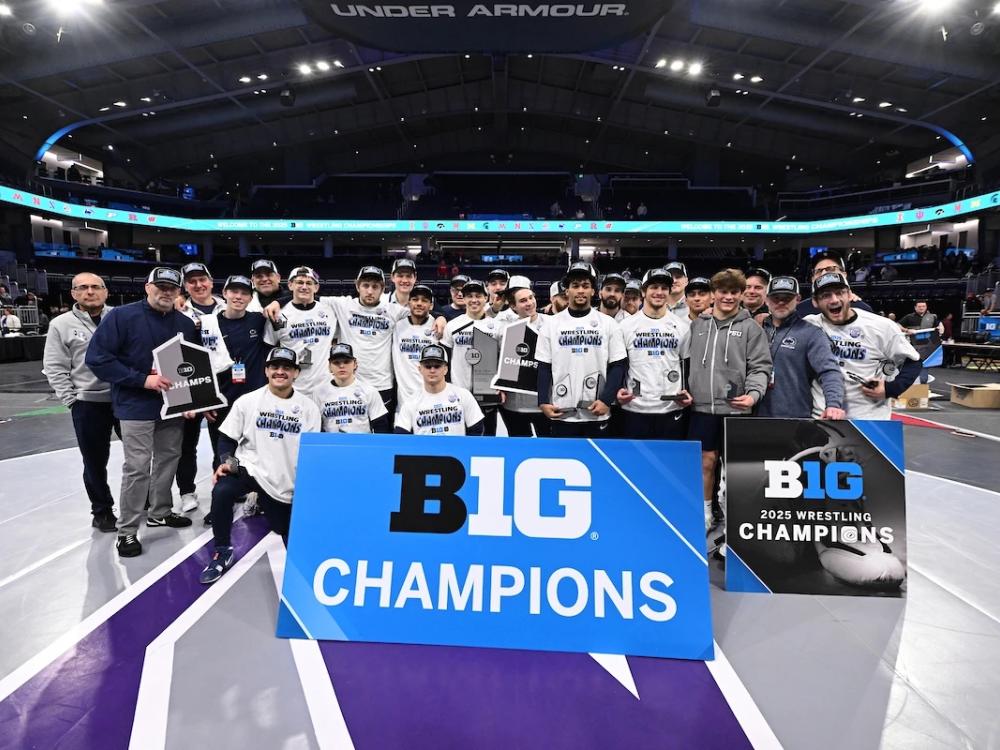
(554, 545)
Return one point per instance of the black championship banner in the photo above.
(815, 507)
(188, 367)
(470, 26)
(518, 370)
(483, 357)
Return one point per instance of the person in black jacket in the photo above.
(121, 353)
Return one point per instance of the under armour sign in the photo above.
(569, 545)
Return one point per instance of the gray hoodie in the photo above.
(728, 358)
(63, 363)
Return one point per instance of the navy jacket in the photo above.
(801, 353)
(121, 353)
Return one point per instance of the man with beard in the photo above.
(558, 300)
(581, 361)
(698, 297)
(824, 263)
(266, 284)
(800, 354)
(87, 397)
(409, 338)
(612, 291)
(877, 361)
(496, 285)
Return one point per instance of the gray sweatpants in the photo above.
(151, 450)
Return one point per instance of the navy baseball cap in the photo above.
(613, 278)
(371, 272)
(498, 273)
(698, 283)
(237, 280)
(281, 356)
(634, 285)
(473, 286)
(342, 351)
(658, 275)
(676, 266)
(827, 255)
(164, 275)
(580, 268)
(194, 269)
(404, 264)
(460, 280)
(783, 285)
(304, 271)
(422, 290)
(830, 281)
(263, 265)
(434, 353)
(761, 272)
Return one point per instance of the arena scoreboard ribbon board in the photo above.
(815, 507)
(554, 545)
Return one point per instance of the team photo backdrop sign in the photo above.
(553, 545)
(815, 507)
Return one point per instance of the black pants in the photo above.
(93, 424)
(187, 466)
(489, 421)
(213, 433)
(519, 423)
(579, 429)
(635, 426)
(233, 487)
(388, 397)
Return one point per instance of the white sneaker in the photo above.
(250, 507)
(187, 503)
(709, 518)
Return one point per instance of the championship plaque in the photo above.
(518, 369)
(483, 358)
(194, 386)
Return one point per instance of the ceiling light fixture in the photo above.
(661, 63)
(305, 69)
(338, 64)
(5, 10)
(322, 65)
(695, 68)
(677, 65)
(858, 99)
(262, 77)
(244, 79)
(884, 105)
(756, 79)
(738, 76)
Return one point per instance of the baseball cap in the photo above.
(613, 278)
(827, 255)
(164, 275)
(404, 264)
(304, 271)
(698, 283)
(460, 280)
(556, 288)
(676, 266)
(433, 353)
(634, 285)
(281, 356)
(498, 273)
(237, 280)
(342, 351)
(263, 265)
(422, 290)
(371, 272)
(830, 281)
(762, 272)
(473, 286)
(193, 269)
(783, 285)
(661, 275)
(518, 282)
(578, 269)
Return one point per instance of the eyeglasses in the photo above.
(88, 287)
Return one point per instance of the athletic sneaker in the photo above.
(173, 520)
(208, 519)
(128, 545)
(250, 506)
(105, 521)
(222, 560)
(187, 503)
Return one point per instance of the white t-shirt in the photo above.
(579, 351)
(369, 332)
(350, 408)
(458, 338)
(266, 430)
(408, 341)
(654, 347)
(446, 413)
(871, 347)
(310, 334)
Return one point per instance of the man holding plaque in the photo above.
(517, 375)
(581, 361)
(653, 398)
(121, 353)
(474, 352)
